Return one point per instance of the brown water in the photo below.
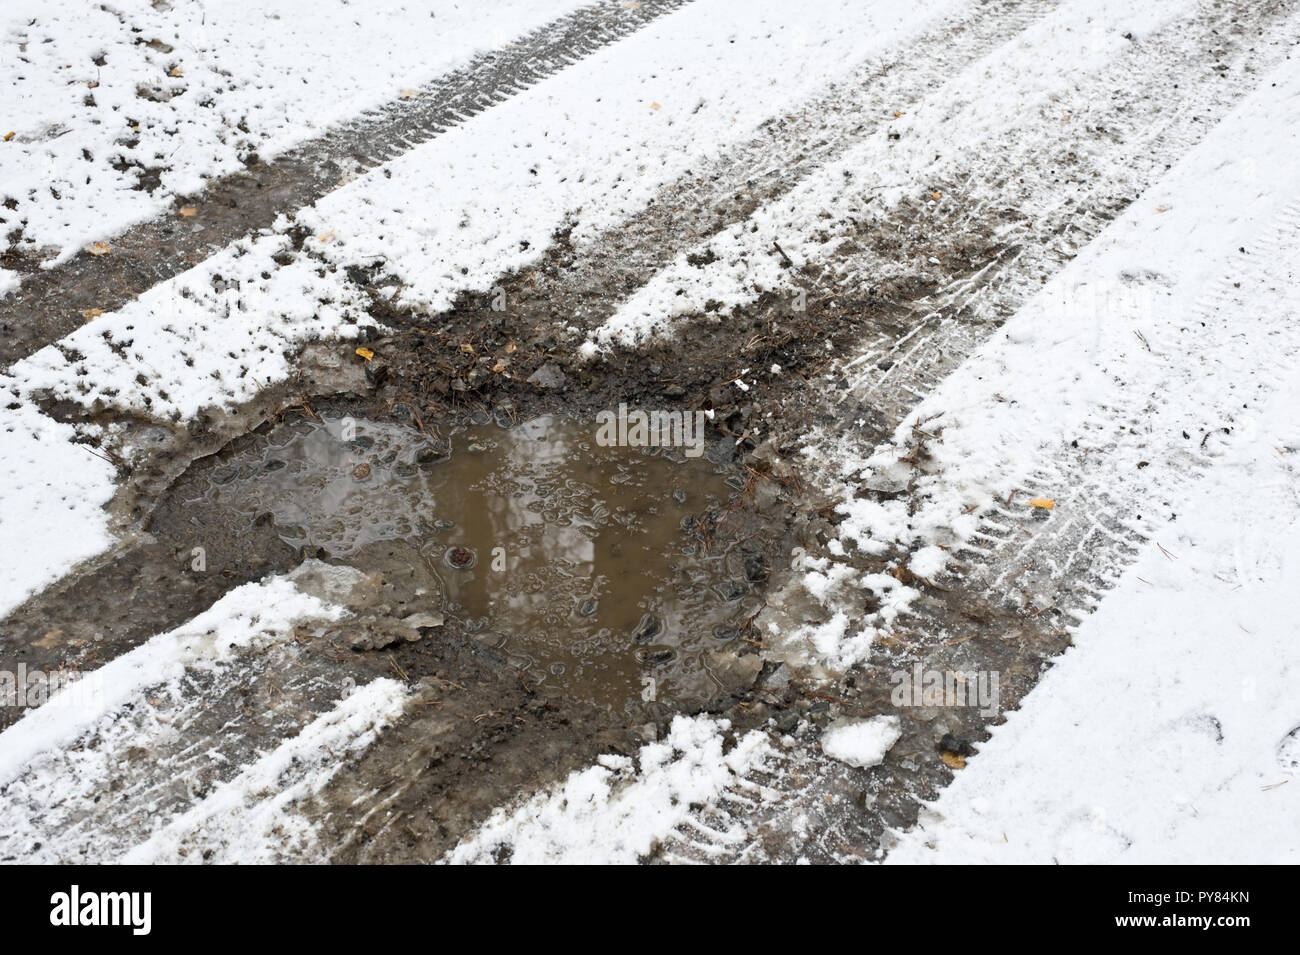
(573, 559)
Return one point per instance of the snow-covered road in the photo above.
(1053, 247)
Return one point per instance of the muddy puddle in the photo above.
(584, 564)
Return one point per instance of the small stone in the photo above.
(647, 628)
(549, 377)
(428, 456)
(424, 621)
(779, 678)
(730, 590)
(655, 655)
(735, 672)
(787, 720)
(461, 558)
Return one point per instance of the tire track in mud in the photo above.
(1005, 285)
(811, 807)
(49, 302)
(852, 823)
(1010, 597)
(578, 280)
(1028, 576)
(217, 755)
(94, 800)
(853, 108)
(1009, 213)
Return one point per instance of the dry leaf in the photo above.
(98, 248)
(468, 349)
(654, 105)
(953, 761)
(897, 113)
(1045, 503)
(90, 313)
(499, 367)
(188, 212)
(51, 639)
(175, 71)
(365, 353)
(511, 348)
(9, 136)
(407, 94)
(936, 194)
(325, 237)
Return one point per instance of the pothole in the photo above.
(595, 570)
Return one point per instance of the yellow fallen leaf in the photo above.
(188, 212)
(1046, 503)
(175, 71)
(407, 94)
(499, 367)
(9, 136)
(325, 237)
(897, 113)
(511, 348)
(91, 313)
(365, 353)
(953, 761)
(99, 248)
(936, 194)
(51, 639)
(654, 105)
(468, 349)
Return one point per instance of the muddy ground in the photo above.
(484, 729)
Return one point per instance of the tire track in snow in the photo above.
(1021, 205)
(173, 736)
(813, 807)
(1175, 384)
(49, 303)
(789, 148)
(1050, 567)
(1069, 557)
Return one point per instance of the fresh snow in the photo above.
(1165, 357)
(116, 767)
(194, 88)
(861, 743)
(1168, 733)
(1164, 734)
(254, 612)
(616, 811)
(597, 142)
(54, 497)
